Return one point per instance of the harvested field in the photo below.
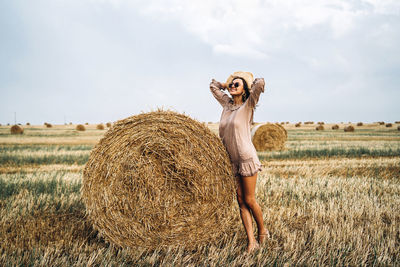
(330, 198)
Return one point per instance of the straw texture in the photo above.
(160, 179)
(269, 136)
(16, 129)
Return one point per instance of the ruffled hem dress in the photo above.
(234, 129)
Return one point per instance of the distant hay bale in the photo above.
(80, 127)
(397, 122)
(86, 123)
(28, 124)
(398, 128)
(108, 124)
(335, 127)
(100, 126)
(48, 125)
(320, 128)
(309, 122)
(389, 125)
(321, 123)
(360, 124)
(160, 179)
(70, 123)
(381, 122)
(16, 129)
(349, 128)
(297, 124)
(268, 136)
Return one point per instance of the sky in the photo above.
(104, 60)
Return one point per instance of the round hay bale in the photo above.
(398, 128)
(108, 124)
(360, 124)
(100, 126)
(309, 122)
(268, 136)
(381, 122)
(389, 125)
(16, 129)
(397, 122)
(320, 128)
(349, 128)
(48, 125)
(28, 124)
(160, 179)
(297, 124)
(321, 123)
(86, 123)
(80, 127)
(335, 127)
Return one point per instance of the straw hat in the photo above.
(247, 76)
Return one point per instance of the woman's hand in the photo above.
(259, 81)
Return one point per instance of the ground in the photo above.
(330, 198)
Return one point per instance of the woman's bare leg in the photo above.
(248, 185)
(246, 218)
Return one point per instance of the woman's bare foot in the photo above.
(262, 236)
(252, 246)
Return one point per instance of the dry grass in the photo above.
(349, 128)
(269, 136)
(16, 129)
(100, 126)
(80, 127)
(320, 211)
(159, 179)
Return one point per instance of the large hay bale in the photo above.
(360, 124)
(320, 128)
(16, 129)
(398, 128)
(268, 136)
(80, 127)
(349, 128)
(100, 126)
(160, 179)
(335, 127)
(389, 125)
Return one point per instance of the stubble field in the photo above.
(329, 198)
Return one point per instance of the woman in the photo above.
(234, 130)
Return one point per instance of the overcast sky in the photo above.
(104, 60)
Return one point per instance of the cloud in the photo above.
(258, 28)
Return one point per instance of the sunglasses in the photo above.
(236, 84)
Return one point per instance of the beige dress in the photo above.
(234, 129)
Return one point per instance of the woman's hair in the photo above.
(245, 87)
(246, 95)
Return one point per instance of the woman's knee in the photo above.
(250, 201)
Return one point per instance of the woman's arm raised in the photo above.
(215, 88)
(256, 89)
